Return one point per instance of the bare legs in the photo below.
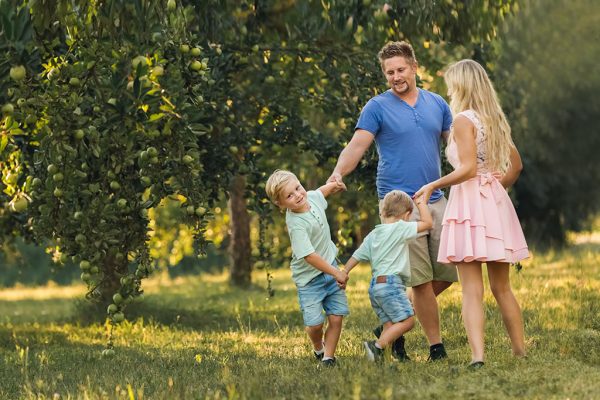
(498, 274)
(393, 331)
(332, 334)
(471, 279)
(472, 306)
(426, 307)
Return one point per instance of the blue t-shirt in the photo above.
(407, 139)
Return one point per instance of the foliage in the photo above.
(551, 100)
(201, 338)
(114, 106)
(110, 119)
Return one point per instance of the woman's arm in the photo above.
(516, 166)
(464, 136)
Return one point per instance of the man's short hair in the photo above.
(395, 204)
(395, 49)
(276, 182)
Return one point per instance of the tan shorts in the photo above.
(423, 250)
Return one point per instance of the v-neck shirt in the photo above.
(408, 139)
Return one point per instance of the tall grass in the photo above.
(196, 337)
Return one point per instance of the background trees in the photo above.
(552, 103)
(116, 107)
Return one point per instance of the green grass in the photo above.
(198, 338)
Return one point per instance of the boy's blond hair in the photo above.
(395, 204)
(276, 182)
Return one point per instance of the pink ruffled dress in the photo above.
(480, 222)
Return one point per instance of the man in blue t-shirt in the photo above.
(407, 125)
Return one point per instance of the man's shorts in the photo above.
(321, 293)
(389, 300)
(423, 251)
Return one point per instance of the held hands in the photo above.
(337, 186)
(335, 177)
(423, 194)
(342, 279)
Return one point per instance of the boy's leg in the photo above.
(332, 334)
(310, 298)
(335, 305)
(392, 331)
(315, 333)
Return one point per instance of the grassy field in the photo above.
(198, 338)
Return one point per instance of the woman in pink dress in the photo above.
(480, 224)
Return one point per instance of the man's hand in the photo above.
(335, 177)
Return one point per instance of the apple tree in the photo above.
(107, 108)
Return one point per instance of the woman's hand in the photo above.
(424, 193)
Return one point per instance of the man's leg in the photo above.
(426, 308)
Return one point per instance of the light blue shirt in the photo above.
(408, 140)
(309, 233)
(386, 248)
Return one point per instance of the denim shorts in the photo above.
(389, 300)
(321, 293)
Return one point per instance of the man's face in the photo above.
(400, 75)
(293, 197)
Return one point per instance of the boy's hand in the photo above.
(337, 186)
(342, 278)
(423, 194)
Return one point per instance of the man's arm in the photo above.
(445, 136)
(351, 155)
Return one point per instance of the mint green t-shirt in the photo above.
(309, 233)
(386, 248)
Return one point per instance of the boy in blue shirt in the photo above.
(319, 281)
(387, 250)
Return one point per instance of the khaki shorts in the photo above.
(423, 250)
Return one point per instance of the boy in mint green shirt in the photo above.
(319, 281)
(386, 248)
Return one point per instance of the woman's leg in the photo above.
(471, 281)
(498, 274)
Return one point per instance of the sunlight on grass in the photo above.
(198, 337)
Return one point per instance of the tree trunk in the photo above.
(239, 246)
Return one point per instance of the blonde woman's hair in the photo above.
(470, 88)
(276, 182)
(395, 204)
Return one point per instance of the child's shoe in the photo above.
(437, 352)
(475, 365)
(329, 362)
(374, 353)
(398, 350)
(319, 354)
(377, 331)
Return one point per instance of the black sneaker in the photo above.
(373, 352)
(475, 365)
(329, 363)
(318, 356)
(437, 352)
(377, 331)
(398, 350)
